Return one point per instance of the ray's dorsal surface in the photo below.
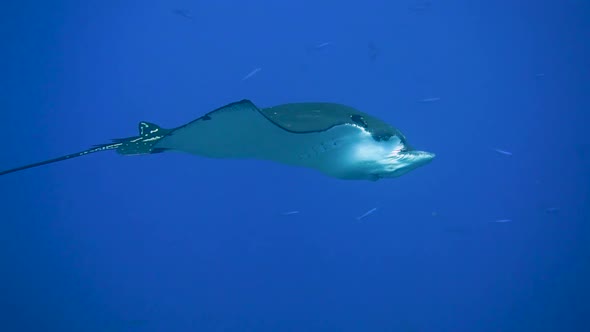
(334, 139)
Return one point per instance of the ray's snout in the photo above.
(420, 158)
(405, 162)
(424, 156)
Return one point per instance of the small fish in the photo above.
(184, 13)
(319, 47)
(373, 51)
(552, 210)
(430, 100)
(289, 213)
(457, 229)
(503, 220)
(252, 73)
(322, 45)
(504, 152)
(420, 6)
(366, 213)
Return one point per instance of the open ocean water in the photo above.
(491, 236)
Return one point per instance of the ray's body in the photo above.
(334, 139)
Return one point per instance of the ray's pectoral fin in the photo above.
(149, 134)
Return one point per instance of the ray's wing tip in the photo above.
(246, 101)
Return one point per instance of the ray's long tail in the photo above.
(149, 135)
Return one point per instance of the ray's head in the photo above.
(389, 157)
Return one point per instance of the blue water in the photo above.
(174, 242)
